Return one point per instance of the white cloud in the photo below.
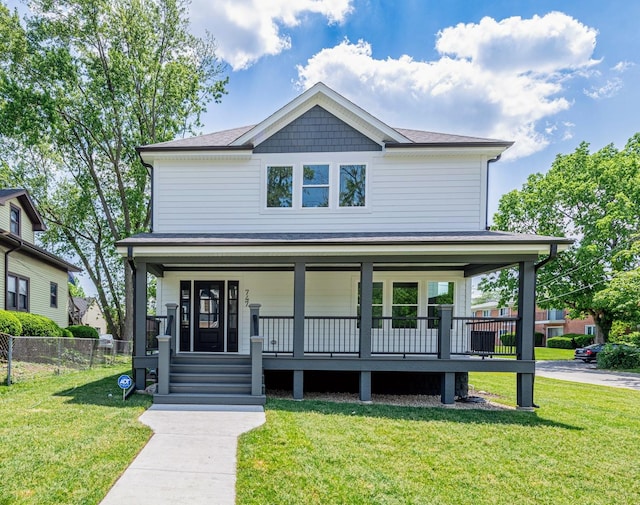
(607, 90)
(622, 66)
(496, 79)
(246, 30)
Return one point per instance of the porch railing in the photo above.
(336, 335)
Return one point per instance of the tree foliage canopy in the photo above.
(82, 83)
(593, 198)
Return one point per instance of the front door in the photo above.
(209, 316)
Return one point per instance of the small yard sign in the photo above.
(124, 382)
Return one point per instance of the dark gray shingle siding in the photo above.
(317, 131)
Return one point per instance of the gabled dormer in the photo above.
(18, 215)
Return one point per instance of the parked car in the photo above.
(106, 341)
(589, 353)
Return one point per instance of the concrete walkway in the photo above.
(578, 371)
(190, 459)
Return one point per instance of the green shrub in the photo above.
(560, 343)
(10, 324)
(621, 357)
(34, 325)
(66, 333)
(83, 331)
(632, 338)
(508, 339)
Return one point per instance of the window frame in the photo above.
(15, 222)
(394, 305)
(53, 295)
(432, 308)
(292, 193)
(17, 307)
(311, 186)
(341, 166)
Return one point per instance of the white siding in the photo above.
(445, 193)
(327, 293)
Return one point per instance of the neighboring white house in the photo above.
(87, 312)
(32, 279)
(350, 234)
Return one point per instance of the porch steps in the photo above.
(210, 380)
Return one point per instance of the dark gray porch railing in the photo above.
(336, 335)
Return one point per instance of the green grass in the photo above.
(581, 446)
(64, 440)
(549, 353)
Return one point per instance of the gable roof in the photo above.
(27, 204)
(247, 137)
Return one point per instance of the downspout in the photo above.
(149, 168)
(486, 213)
(19, 244)
(553, 253)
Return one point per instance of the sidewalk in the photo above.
(190, 459)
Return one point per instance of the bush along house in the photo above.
(322, 243)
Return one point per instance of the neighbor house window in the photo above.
(352, 185)
(555, 331)
(17, 293)
(279, 186)
(504, 312)
(315, 186)
(377, 305)
(589, 329)
(53, 297)
(486, 313)
(438, 293)
(405, 305)
(14, 226)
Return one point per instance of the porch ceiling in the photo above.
(471, 252)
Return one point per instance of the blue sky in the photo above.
(546, 74)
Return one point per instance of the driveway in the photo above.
(578, 371)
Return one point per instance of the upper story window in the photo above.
(352, 186)
(318, 185)
(279, 186)
(14, 226)
(315, 186)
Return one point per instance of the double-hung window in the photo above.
(14, 220)
(315, 186)
(404, 310)
(17, 293)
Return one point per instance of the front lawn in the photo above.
(67, 438)
(550, 353)
(579, 447)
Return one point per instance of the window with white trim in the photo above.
(17, 293)
(589, 329)
(315, 186)
(353, 186)
(438, 293)
(280, 186)
(404, 308)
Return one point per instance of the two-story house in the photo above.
(33, 280)
(356, 240)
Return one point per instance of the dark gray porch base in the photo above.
(448, 369)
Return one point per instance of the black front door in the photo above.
(209, 316)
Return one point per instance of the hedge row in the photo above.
(623, 357)
(509, 339)
(570, 341)
(34, 325)
(83, 331)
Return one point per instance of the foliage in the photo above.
(621, 357)
(67, 438)
(35, 325)
(10, 324)
(570, 341)
(75, 289)
(508, 339)
(621, 296)
(593, 198)
(632, 338)
(80, 331)
(66, 333)
(82, 83)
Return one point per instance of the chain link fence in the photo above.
(24, 358)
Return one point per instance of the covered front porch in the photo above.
(365, 337)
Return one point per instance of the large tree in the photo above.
(593, 198)
(82, 83)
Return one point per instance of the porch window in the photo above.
(279, 186)
(14, 225)
(315, 186)
(352, 185)
(404, 310)
(17, 293)
(438, 293)
(377, 305)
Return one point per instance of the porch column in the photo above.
(140, 321)
(172, 325)
(366, 316)
(525, 331)
(164, 360)
(448, 379)
(299, 275)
